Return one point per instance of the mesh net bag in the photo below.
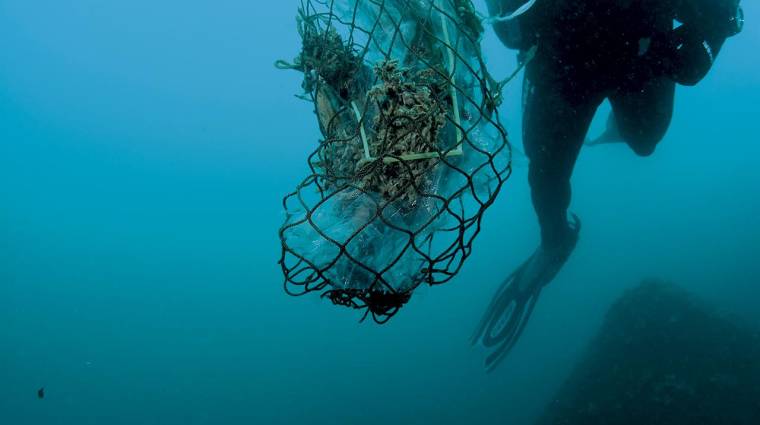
(412, 151)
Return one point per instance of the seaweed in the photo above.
(410, 118)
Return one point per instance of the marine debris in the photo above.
(411, 153)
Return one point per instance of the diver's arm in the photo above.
(509, 32)
(696, 43)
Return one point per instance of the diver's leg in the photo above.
(643, 113)
(555, 122)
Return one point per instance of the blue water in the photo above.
(144, 150)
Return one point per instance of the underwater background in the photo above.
(145, 148)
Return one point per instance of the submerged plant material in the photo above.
(411, 153)
(411, 114)
(325, 56)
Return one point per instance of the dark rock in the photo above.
(662, 357)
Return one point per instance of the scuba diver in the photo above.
(577, 53)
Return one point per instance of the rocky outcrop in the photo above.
(663, 357)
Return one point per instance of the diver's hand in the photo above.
(687, 53)
(683, 55)
(693, 61)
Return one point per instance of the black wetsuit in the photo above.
(626, 51)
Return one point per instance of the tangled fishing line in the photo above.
(412, 150)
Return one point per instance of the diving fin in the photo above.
(508, 313)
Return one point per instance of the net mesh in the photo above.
(412, 151)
